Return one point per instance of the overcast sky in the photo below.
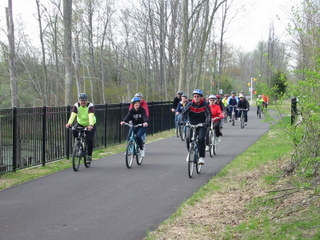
(251, 26)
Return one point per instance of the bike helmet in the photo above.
(83, 97)
(259, 96)
(197, 91)
(218, 96)
(139, 95)
(135, 99)
(179, 93)
(241, 96)
(233, 92)
(212, 96)
(184, 95)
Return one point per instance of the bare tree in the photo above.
(12, 56)
(67, 53)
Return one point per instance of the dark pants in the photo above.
(202, 132)
(89, 137)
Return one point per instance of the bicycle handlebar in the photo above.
(131, 125)
(188, 124)
(78, 128)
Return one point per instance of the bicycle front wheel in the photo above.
(259, 112)
(191, 161)
(196, 159)
(242, 120)
(130, 153)
(76, 156)
(211, 143)
(233, 119)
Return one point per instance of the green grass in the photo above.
(10, 179)
(283, 214)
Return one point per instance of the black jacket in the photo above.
(197, 113)
(136, 116)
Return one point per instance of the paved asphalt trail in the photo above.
(109, 201)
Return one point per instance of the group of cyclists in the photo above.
(198, 110)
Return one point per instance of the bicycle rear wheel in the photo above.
(191, 161)
(214, 144)
(130, 153)
(76, 156)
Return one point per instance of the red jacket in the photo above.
(216, 112)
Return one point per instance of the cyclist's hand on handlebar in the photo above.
(145, 124)
(90, 128)
(122, 123)
(68, 125)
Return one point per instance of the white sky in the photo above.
(251, 26)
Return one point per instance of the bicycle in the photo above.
(80, 148)
(193, 150)
(259, 111)
(241, 112)
(213, 141)
(233, 114)
(132, 150)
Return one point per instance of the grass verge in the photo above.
(250, 198)
(10, 179)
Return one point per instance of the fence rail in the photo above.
(36, 136)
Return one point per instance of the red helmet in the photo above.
(218, 96)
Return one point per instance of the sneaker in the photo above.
(245, 123)
(201, 161)
(187, 158)
(219, 139)
(89, 159)
(207, 148)
(142, 153)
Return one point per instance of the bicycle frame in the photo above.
(233, 114)
(193, 150)
(80, 148)
(132, 150)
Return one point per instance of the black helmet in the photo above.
(83, 96)
(184, 95)
(233, 92)
(179, 93)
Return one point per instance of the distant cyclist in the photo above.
(181, 105)
(197, 111)
(143, 103)
(265, 99)
(216, 116)
(232, 101)
(243, 106)
(138, 116)
(259, 104)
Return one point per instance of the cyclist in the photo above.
(241, 93)
(216, 116)
(244, 107)
(222, 107)
(225, 103)
(144, 105)
(176, 101)
(232, 101)
(138, 116)
(259, 104)
(197, 111)
(265, 99)
(84, 111)
(181, 106)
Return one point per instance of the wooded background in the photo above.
(155, 47)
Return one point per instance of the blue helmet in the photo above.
(135, 99)
(197, 91)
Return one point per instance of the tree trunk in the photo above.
(67, 53)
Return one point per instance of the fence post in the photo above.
(68, 135)
(44, 129)
(120, 129)
(15, 140)
(105, 125)
(294, 110)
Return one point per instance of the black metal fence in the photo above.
(36, 136)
